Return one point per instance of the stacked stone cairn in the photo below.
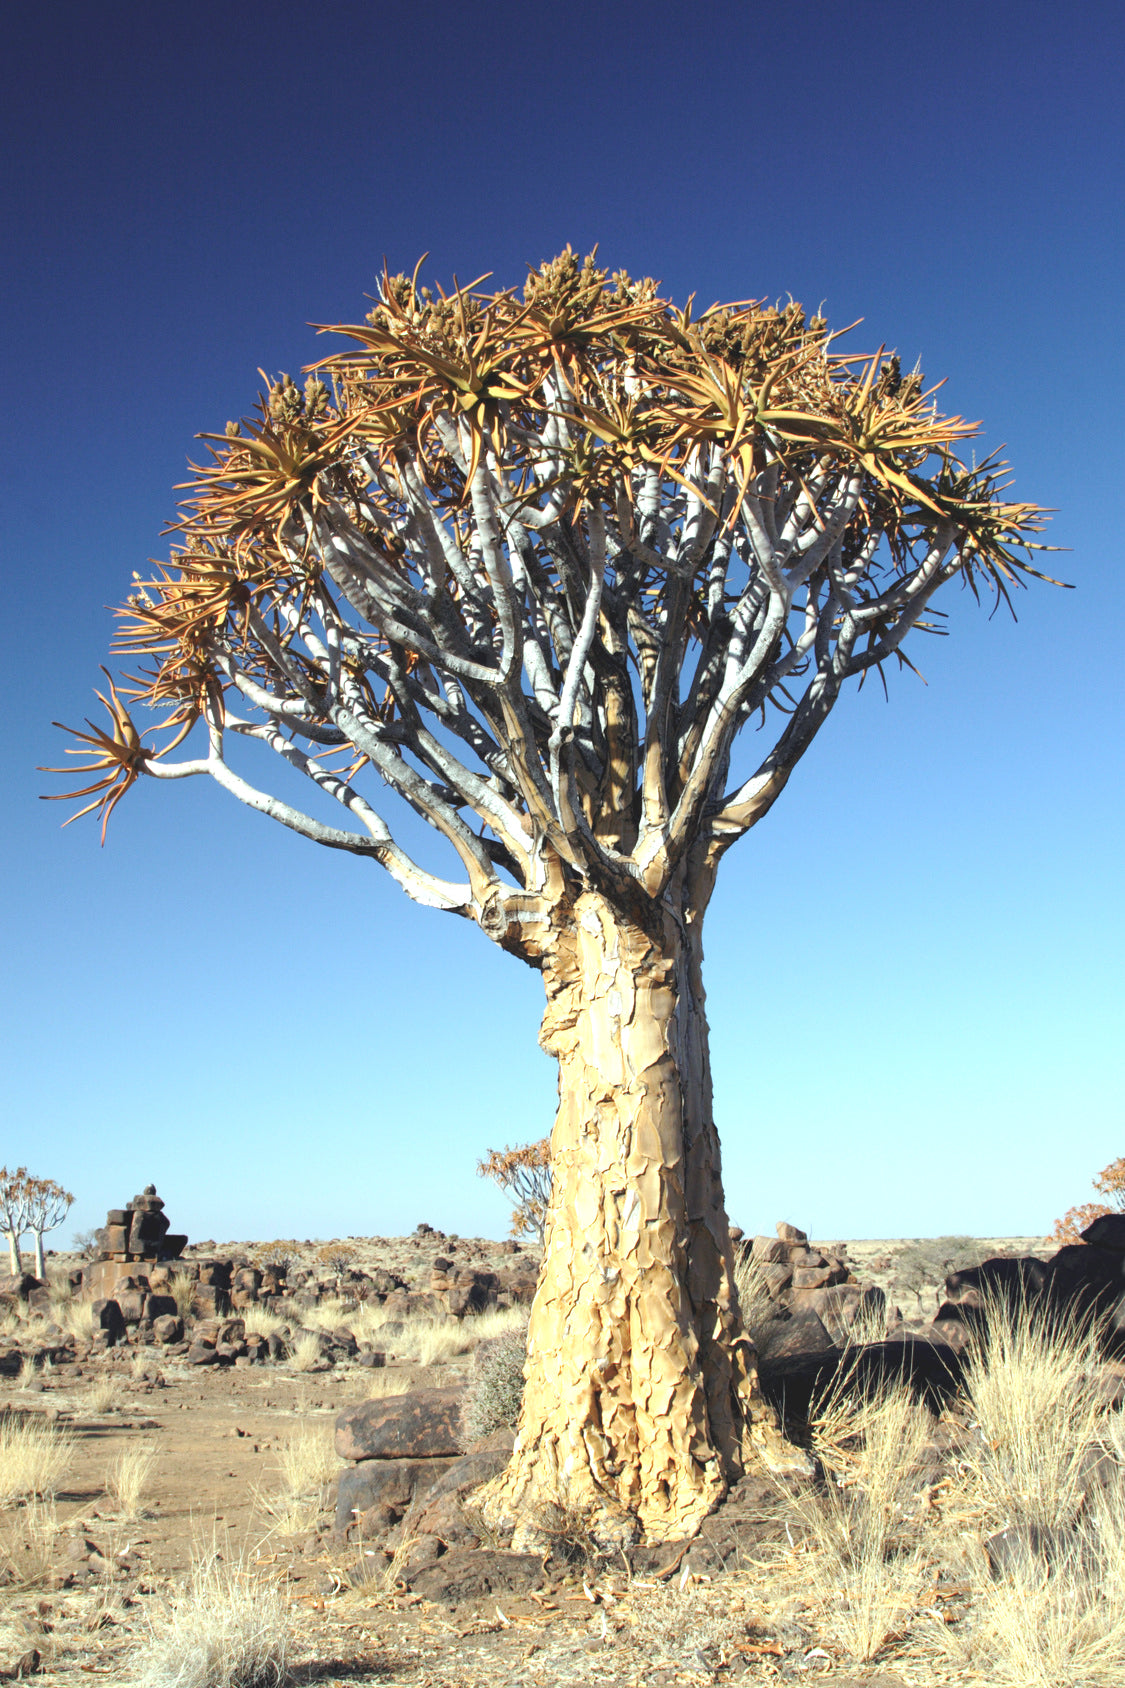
(130, 1284)
(808, 1284)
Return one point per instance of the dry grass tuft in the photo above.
(128, 1478)
(29, 1370)
(304, 1351)
(33, 1458)
(27, 1540)
(865, 1555)
(307, 1463)
(103, 1396)
(330, 1315)
(395, 1380)
(1032, 1387)
(260, 1320)
(76, 1318)
(228, 1629)
(182, 1288)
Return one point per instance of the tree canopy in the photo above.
(534, 559)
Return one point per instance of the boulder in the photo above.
(790, 1233)
(421, 1425)
(476, 1574)
(388, 1484)
(16, 1287)
(1107, 1231)
(107, 1318)
(167, 1328)
(804, 1333)
(769, 1250)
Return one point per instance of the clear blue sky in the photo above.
(914, 963)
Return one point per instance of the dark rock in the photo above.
(1107, 1231)
(16, 1287)
(1023, 1549)
(107, 1318)
(477, 1573)
(389, 1484)
(160, 1307)
(168, 1328)
(931, 1370)
(769, 1251)
(199, 1354)
(343, 1340)
(421, 1425)
(790, 1233)
(440, 1511)
(804, 1333)
(1000, 1278)
(373, 1357)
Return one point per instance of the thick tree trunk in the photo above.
(15, 1259)
(40, 1262)
(641, 1384)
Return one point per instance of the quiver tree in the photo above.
(15, 1212)
(533, 562)
(524, 1175)
(47, 1207)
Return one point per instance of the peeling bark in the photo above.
(641, 1382)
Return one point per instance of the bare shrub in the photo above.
(679, 1625)
(495, 1393)
(229, 1629)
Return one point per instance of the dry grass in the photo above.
(304, 1351)
(396, 1380)
(328, 1316)
(866, 1556)
(228, 1629)
(307, 1463)
(260, 1320)
(181, 1288)
(27, 1541)
(1033, 1392)
(128, 1478)
(103, 1395)
(29, 1370)
(34, 1456)
(76, 1318)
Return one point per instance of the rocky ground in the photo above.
(92, 1576)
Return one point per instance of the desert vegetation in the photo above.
(976, 1535)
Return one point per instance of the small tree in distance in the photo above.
(15, 1211)
(1111, 1182)
(524, 1175)
(538, 563)
(48, 1205)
